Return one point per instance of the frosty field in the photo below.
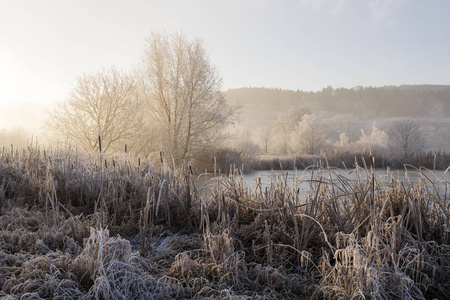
(77, 226)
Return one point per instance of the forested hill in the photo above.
(416, 101)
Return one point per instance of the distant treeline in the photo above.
(361, 102)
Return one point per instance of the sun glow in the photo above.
(12, 81)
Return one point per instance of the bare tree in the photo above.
(102, 104)
(405, 138)
(266, 136)
(182, 89)
(310, 134)
(244, 144)
(345, 124)
(15, 137)
(440, 140)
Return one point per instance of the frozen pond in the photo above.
(302, 179)
(295, 177)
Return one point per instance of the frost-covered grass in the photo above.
(75, 226)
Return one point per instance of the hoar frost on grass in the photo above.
(105, 269)
(353, 236)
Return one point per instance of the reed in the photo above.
(74, 226)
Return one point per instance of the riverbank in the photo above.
(432, 161)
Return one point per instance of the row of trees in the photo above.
(415, 101)
(172, 101)
(299, 131)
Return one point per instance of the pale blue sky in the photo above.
(303, 44)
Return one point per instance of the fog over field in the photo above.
(353, 112)
(256, 149)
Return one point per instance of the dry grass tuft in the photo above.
(216, 262)
(48, 276)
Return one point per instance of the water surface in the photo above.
(302, 179)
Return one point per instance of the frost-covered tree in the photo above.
(375, 141)
(105, 104)
(285, 126)
(310, 134)
(183, 90)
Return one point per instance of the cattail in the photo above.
(100, 143)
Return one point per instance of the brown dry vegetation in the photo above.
(75, 226)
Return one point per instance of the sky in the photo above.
(290, 44)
